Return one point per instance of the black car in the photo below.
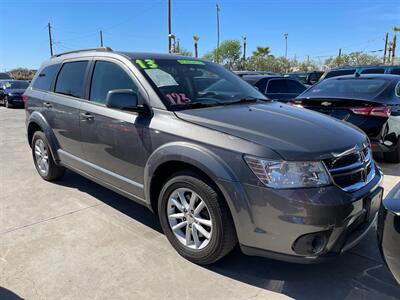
(308, 78)
(11, 92)
(371, 102)
(276, 87)
(389, 231)
(351, 70)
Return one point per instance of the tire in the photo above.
(222, 235)
(52, 171)
(394, 156)
(6, 104)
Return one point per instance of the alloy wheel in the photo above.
(41, 156)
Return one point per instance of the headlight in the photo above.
(288, 174)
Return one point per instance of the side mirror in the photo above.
(122, 99)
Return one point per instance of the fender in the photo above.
(38, 119)
(208, 162)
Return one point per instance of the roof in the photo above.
(366, 76)
(255, 78)
(365, 66)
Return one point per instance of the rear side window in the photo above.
(373, 71)
(395, 71)
(285, 86)
(340, 73)
(70, 79)
(293, 86)
(108, 76)
(46, 77)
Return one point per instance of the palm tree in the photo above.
(395, 29)
(196, 39)
(262, 51)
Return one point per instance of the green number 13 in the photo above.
(147, 63)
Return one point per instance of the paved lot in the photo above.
(76, 240)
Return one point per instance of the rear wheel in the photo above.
(43, 159)
(195, 218)
(6, 103)
(393, 156)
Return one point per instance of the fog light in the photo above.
(312, 243)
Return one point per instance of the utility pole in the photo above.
(395, 29)
(169, 26)
(286, 38)
(244, 47)
(340, 52)
(101, 38)
(50, 39)
(386, 44)
(217, 52)
(390, 53)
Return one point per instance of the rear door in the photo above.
(63, 109)
(114, 141)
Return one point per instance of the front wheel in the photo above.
(6, 103)
(195, 218)
(43, 159)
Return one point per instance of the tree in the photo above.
(353, 59)
(196, 39)
(261, 51)
(229, 53)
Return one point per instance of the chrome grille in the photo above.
(352, 171)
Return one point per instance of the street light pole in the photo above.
(169, 26)
(286, 38)
(217, 51)
(50, 39)
(101, 38)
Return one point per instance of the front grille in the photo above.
(353, 170)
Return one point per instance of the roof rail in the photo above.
(101, 49)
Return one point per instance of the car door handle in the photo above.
(47, 105)
(87, 116)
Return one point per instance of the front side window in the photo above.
(70, 80)
(185, 83)
(294, 87)
(108, 76)
(276, 86)
(46, 77)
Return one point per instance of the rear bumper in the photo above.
(306, 225)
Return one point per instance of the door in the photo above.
(112, 138)
(62, 109)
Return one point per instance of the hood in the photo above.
(294, 133)
(15, 91)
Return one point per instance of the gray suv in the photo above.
(219, 163)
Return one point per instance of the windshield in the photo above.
(185, 83)
(16, 84)
(357, 88)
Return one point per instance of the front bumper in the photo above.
(282, 224)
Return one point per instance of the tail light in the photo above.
(292, 103)
(24, 97)
(377, 111)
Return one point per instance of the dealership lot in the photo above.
(74, 239)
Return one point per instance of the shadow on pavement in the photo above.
(8, 295)
(354, 275)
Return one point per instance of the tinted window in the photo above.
(357, 88)
(395, 71)
(70, 79)
(295, 87)
(373, 71)
(108, 76)
(45, 78)
(276, 86)
(340, 73)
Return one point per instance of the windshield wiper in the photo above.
(198, 104)
(244, 100)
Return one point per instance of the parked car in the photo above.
(219, 164)
(389, 231)
(351, 70)
(276, 87)
(243, 73)
(11, 92)
(371, 102)
(307, 78)
(5, 76)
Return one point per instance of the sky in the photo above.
(315, 28)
